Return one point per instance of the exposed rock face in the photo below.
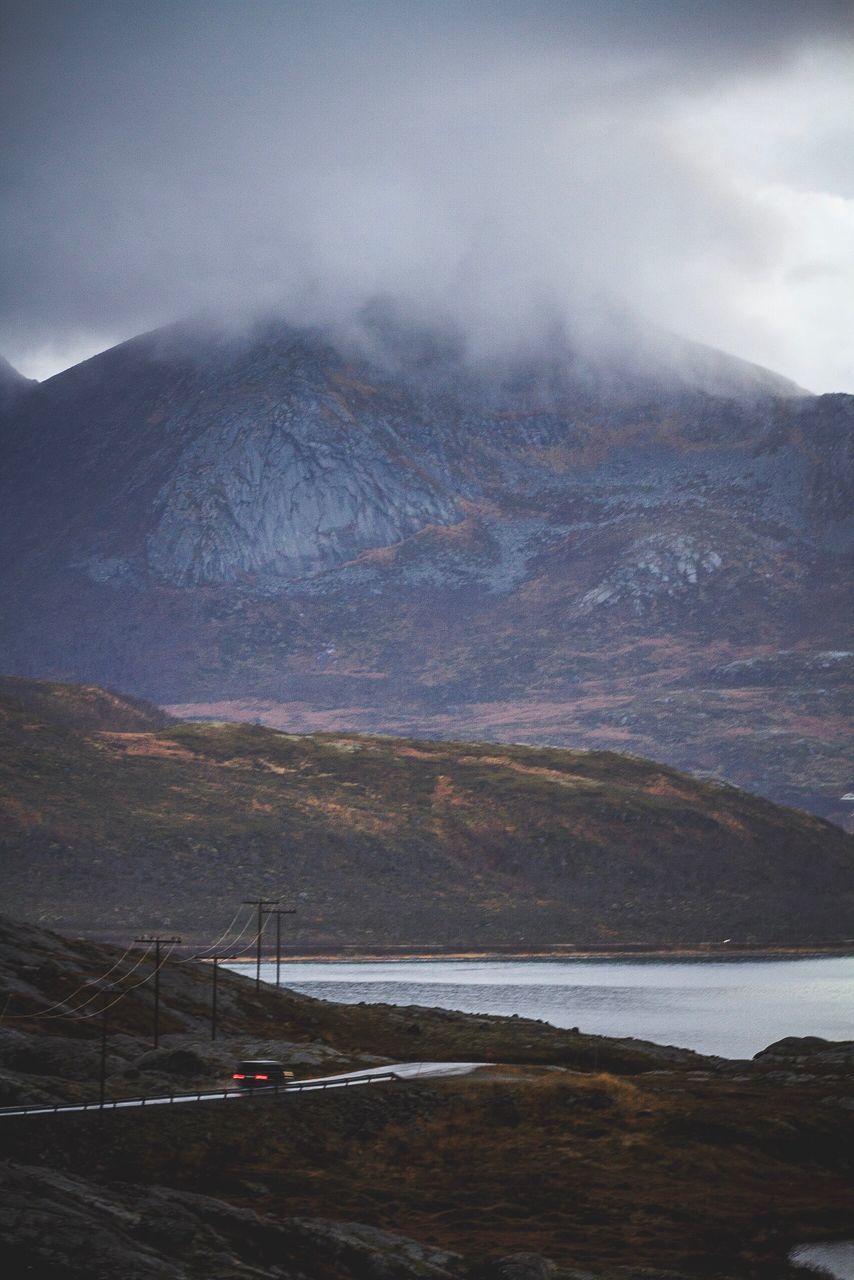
(63, 1226)
(287, 488)
(655, 567)
(523, 1266)
(402, 541)
(811, 1054)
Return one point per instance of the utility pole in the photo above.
(106, 989)
(158, 943)
(261, 904)
(278, 912)
(216, 962)
(105, 995)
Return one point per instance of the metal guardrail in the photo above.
(203, 1095)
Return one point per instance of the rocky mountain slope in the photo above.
(650, 553)
(387, 840)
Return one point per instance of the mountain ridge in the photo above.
(273, 521)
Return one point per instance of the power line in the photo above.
(213, 946)
(200, 955)
(42, 1013)
(97, 982)
(95, 1013)
(261, 904)
(216, 960)
(158, 943)
(233, 943)
(278, 912)
(103, 1076)
(265, 907)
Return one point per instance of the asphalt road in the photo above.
(350, 1079)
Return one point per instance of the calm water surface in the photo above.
(835, 1260)
(728, 1007)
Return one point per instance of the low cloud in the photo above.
(493, 163)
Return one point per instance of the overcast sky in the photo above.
(487, 161)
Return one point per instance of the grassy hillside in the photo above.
(382, 840)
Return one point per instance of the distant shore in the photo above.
(330, 952)
(618, 952)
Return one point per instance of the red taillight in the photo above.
(262, 1077)
(238, 1076)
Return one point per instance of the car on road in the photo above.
(260, 1073)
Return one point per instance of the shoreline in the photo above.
(404, 955)
(363, 953)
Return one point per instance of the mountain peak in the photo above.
(389, 530)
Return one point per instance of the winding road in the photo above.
(350, 1079)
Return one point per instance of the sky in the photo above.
(484, 162)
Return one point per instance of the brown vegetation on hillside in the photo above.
(390, 841)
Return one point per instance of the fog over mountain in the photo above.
(649, 552)
(468, 370)
(506, 167)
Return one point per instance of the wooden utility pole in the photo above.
(158, 942)
(278, 912)
(261, 904)
(217, 960)
(105, 996)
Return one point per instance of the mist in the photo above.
(498, 167)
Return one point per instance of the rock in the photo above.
(17, 1090)
(295, 497)
(61, 1057)
(371, 1254)
(58, 1225)
(187, 1063)
(808, 1055)
(521, 1266)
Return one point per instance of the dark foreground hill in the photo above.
(651, 555)
(393, 841)
(572, 1158)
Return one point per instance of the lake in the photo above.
(836, 1260)
(729, 1007)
